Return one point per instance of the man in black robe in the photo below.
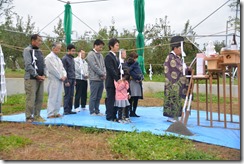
(176, 83)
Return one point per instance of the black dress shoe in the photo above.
(136, 115)
(66, 113)
(72, 112)
(113, 120)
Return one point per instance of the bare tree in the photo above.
(59, 30)
(235, 20)
(5, 5)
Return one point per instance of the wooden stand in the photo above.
(211, 73)
(231, 60)
(216, 67)
(197, 78)
(231, 65)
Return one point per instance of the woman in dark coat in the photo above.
(136, 91)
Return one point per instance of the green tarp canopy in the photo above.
(140, 18)
(68, 23)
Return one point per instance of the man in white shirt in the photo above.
(56, 76)
(81, 76)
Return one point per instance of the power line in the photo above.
(217, 34)
(51, 22)
(196, 36)
(68, 2)
(207, 17)
(87, 25)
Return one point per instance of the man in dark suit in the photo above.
(111, 64)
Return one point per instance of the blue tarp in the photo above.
(151, 120)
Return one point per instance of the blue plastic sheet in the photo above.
(151, 120)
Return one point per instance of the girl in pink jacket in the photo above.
(121, 98)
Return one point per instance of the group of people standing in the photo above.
(121, 90)
(123, 86)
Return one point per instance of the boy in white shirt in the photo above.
(81, 76)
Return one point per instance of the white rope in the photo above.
(34, 59)
(120, 64)
(183, 58)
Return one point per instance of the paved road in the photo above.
(16, 86)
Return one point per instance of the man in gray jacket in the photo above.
(97, 75)
(34, 79)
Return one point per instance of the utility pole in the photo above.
(233, 20)
(236, 15)
(237, 6)
(226, 42)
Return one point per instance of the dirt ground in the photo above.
(66, 143)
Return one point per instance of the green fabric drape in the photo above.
(140, 19)
(68, 23)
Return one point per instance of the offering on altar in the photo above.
(210, 49)
(230, 56)
(212, 58)
(214, 61)
(200, 64)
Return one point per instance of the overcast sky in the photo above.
(93, 13)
